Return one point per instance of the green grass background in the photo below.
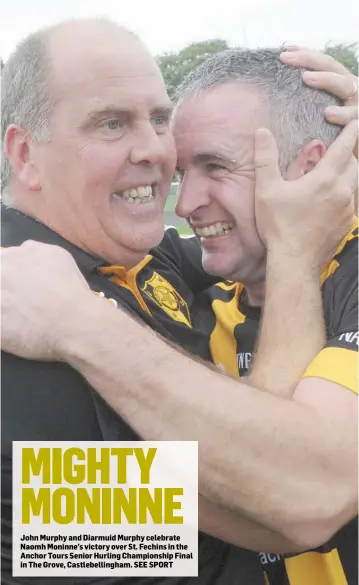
(170, 216)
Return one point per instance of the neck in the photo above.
(74, 232)
(255, 294)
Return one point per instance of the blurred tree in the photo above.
(175, 66)
(345, 54)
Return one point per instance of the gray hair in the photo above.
(296, 111)
(25, 96)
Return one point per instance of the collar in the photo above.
(243, 303)
(329, 268)
(16, 228)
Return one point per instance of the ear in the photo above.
(306, 160)
(19, 150)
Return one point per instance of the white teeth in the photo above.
(138, 196)
(216, 229)
(219, 228)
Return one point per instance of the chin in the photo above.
(216, 269)
(145, 240)
(217, 264)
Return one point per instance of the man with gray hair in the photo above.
(90, 161)
(89, 183)
(219, 108)
(224, 101)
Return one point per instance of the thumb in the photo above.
(265, 158)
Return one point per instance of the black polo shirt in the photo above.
(51, 401)
(235, 331)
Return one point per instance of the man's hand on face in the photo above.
(41, 290)
(307, 217)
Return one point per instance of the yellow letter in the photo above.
(37, 464)
(170, 505)
(153, 505)
(31, 503)
(93, 465)
(90, 504)
(57, 465)
(69, 514)
(74, 473)
(122, 455)
(106, 517)
(123, 505)
(145, 462)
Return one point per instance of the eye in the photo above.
(112, 128)
(212, 167)
(160, 121)
(112, 124)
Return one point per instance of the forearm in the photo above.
(247, 438)
(241, 531)
(292, 328)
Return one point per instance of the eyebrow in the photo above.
(206, 157)
(116, 112)
(165, 109)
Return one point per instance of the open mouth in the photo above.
(138, 196)
(220, 228)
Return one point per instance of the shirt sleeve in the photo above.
(338, 360)
(40, 401)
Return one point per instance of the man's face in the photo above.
(106, 173)
(214, 134)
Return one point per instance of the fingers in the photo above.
(342, 86)
(312, 60)
(340, 151)
(350, 175)
(341, 115)
(265, 158)
(347, 185)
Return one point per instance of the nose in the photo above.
(192, 194)
(148, 146)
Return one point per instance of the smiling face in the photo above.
(104, 177)
(214, 134)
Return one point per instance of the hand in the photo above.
(42, 289)
(329, 75)
(307, 217)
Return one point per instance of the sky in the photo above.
(249, 23)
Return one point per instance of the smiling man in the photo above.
(221, 105)
(89, 158)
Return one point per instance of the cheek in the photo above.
(59, 167)
(237, 198)
(102, 162)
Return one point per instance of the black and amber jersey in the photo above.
(235, 324)
(155, 289)
(50, 401)
(235, 327)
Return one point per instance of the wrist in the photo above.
(291, 259)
